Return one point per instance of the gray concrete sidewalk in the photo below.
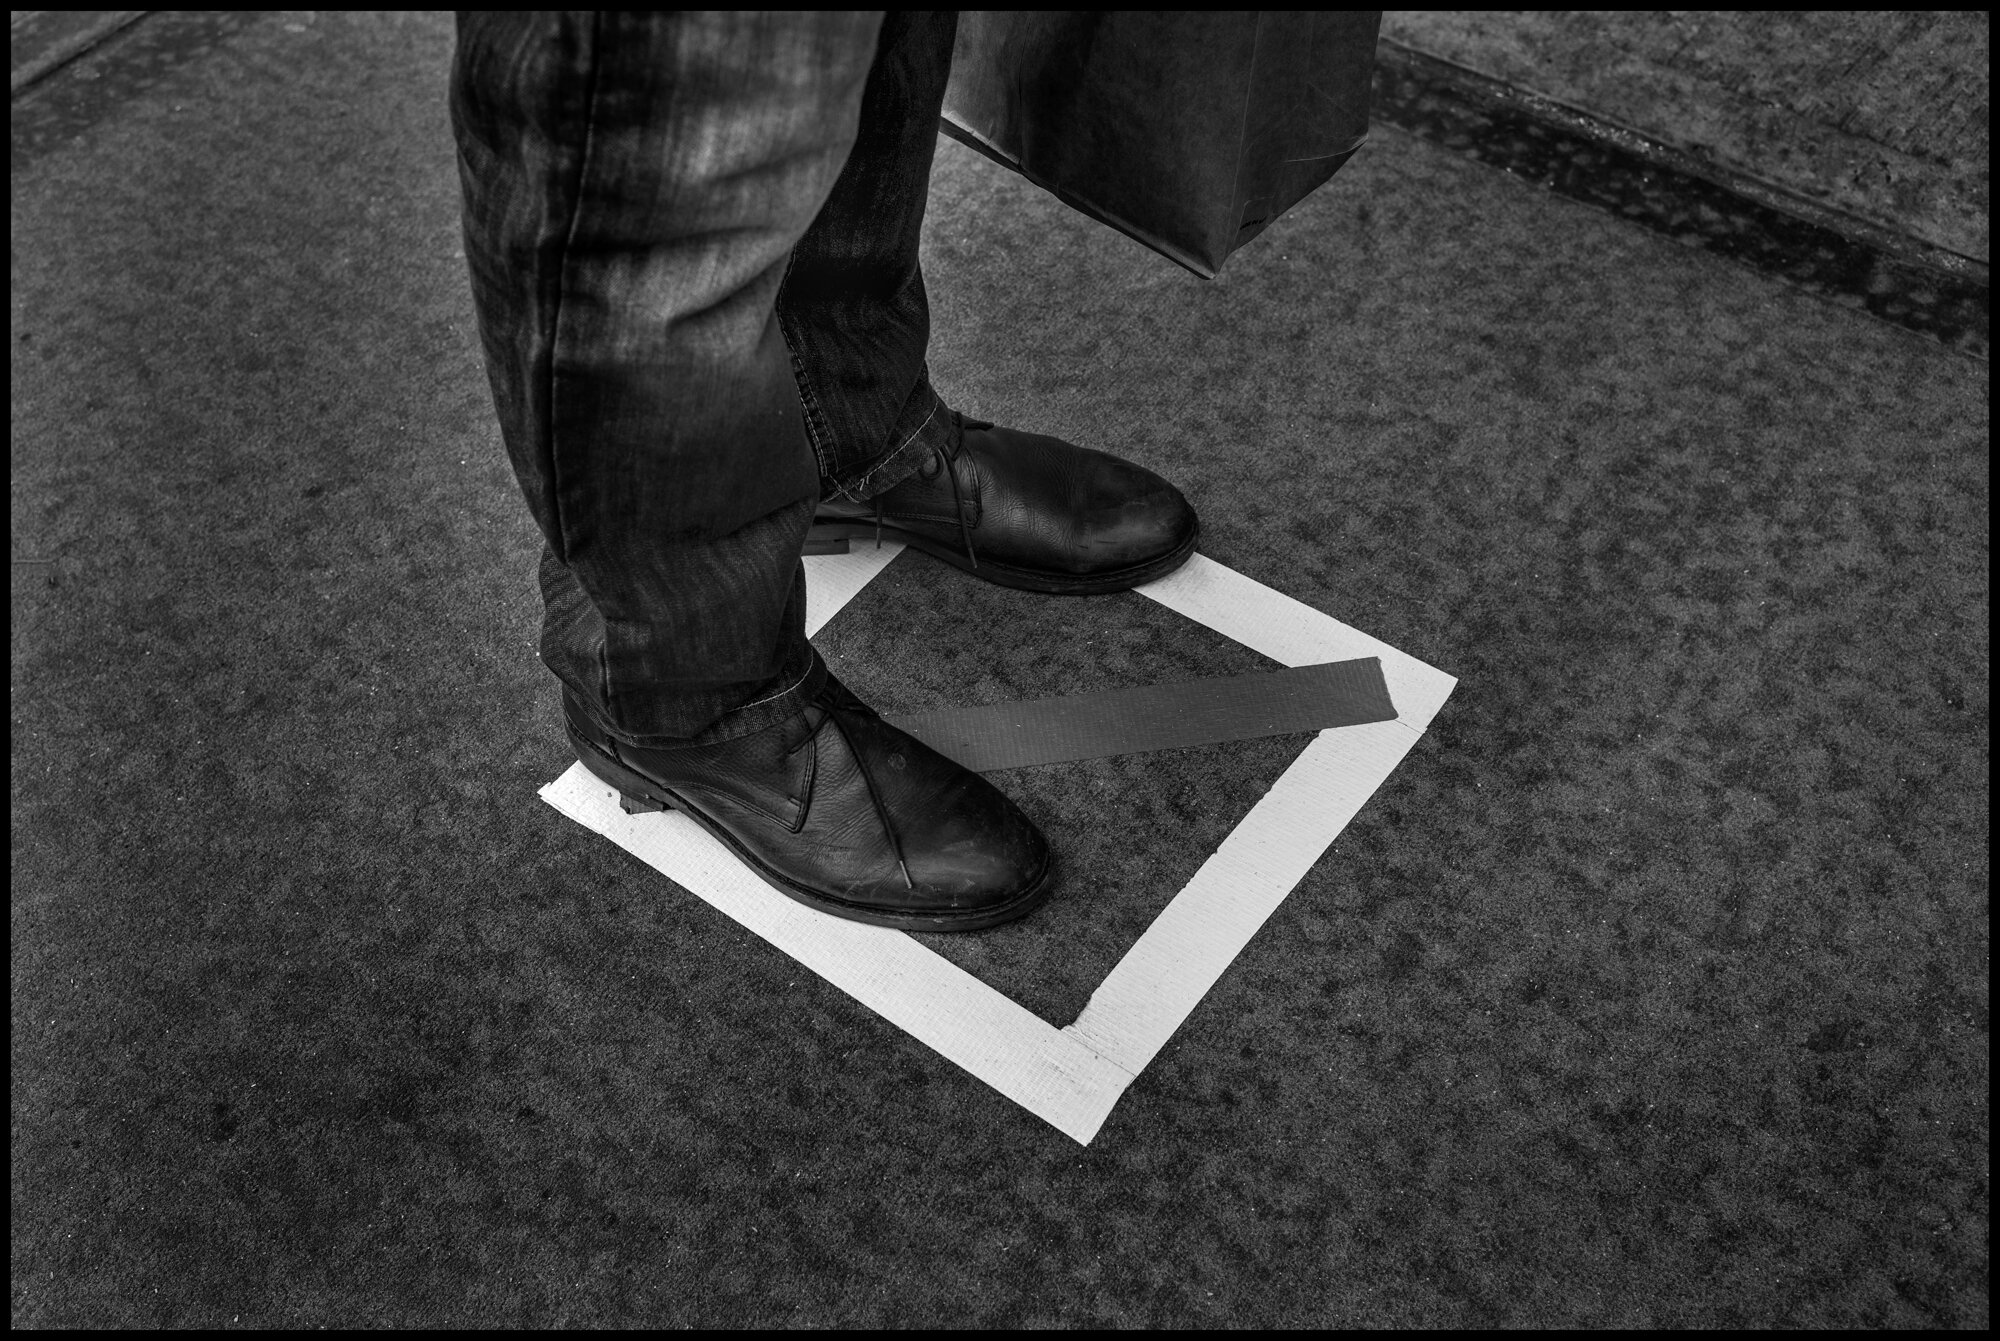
(1651, 990)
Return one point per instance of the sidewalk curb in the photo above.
(1897, 278)
(34, 57)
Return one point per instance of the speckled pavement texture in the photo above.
(1650, 990)
(1884, 115)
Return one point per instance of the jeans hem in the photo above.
(758, 715)
(900, 462)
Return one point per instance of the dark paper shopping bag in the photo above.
(1190, 130)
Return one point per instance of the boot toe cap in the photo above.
(1141, 518)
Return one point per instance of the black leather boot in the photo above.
(1028, 511)
(842, 811)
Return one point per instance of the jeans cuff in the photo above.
(933, 432)
(803, 684)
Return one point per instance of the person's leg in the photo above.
(634, 184)
(853, 306)
(1017, 508)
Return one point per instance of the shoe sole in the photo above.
(1022, 579)
(639, 794)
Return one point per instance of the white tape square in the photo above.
(1071, 1077)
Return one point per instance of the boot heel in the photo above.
(639, 805)
(632, 796)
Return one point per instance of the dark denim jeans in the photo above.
(693, 246)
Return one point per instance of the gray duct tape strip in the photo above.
(1156, 717)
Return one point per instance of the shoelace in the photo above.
(948, 459)
(867, 780)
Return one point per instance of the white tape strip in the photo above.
(1071, 1077)
(832, 580)
(938, 1003)
(1294, 633)
(1167, 972)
